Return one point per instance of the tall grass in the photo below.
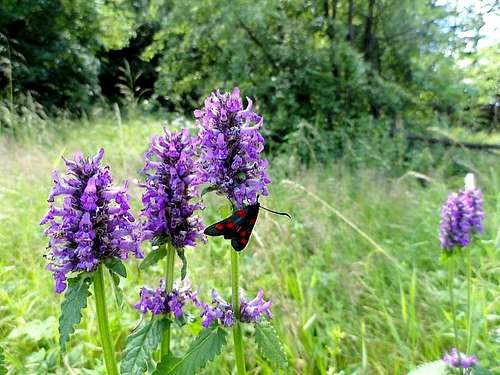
(371, 300)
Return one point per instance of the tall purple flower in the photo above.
(461, 216)
(170, 185)
(158, 301)
(459, 360)
(231, 145)
(93, 222)
(220, 310)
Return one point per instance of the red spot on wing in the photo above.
(219, 226)
(252, 221)
(229, 224)
(243, 241)
(243, 233)
(240, 213)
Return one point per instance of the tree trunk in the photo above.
(370, 52)
(350, 28)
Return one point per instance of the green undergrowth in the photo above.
(372, 301)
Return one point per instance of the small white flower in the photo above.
(470, 183)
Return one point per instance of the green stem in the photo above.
(235, 300)
(169, 284)
(451, 273)
(102, 320)
(469, 302)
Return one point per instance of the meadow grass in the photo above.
(346, 301)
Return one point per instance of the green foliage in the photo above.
(431, 368)
(182, 257)
(116, 266)
(153, 257)
(338, 302)
(140, 346)
(207, 345)
(75, 300)
(269, 344)
(3, 369)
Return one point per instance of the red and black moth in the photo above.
(238, 227)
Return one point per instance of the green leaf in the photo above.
(203, 349)
(153, 257)
(140, 346)
(116, 289)
(269, 344)
(182, 256)
(116, 266)
(207, 189)
(478, 370)
(75, 299)
(3, 369)
(431, 368)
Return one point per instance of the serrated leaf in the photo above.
(116, 266)
(153, 257)
(117, 291)
(140, 346)
(75, 300)
(207, 345)
(3, 369)
(182, 256)
(269, 344)
(431, 368)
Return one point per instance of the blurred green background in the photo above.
(370, 108)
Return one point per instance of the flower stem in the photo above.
(235, 300)
(451, 274)
(169, 284)
(469, 302)
(102, 320)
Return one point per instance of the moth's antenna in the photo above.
(276, 212)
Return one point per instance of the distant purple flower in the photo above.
(220, 310)
(158, 301)
(253, 310)
(93, 222)
(170, 185)
(231, 145)
(461, 216)
(459, 360)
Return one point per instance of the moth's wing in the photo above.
(217, 229)
(245, 227)
(227, 227)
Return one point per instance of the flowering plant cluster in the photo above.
(93, 223)
(461, 216)
(459, 360)
(251, 311)
(159, 301)
(231, 145)
(170, 185)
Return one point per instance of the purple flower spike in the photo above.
(170, 185)
(461, 216)
(158, 301)
(230, 148)
(90, 222)
(459, 360)
(221, 311)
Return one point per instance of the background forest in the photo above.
(372, 108)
